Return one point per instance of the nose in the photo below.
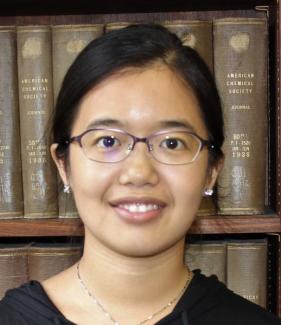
(139, 167)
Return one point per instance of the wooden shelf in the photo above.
(40, 227)
(236, 224)
(202, 225)
(30, 7)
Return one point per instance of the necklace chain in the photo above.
(113, 320)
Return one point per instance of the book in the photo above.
(247, 269)
(67, 42)
(11, 192)
(36, 106)
(207, 206)
(48, 259)
(13, 266)
(208, 256)
(21, 262)
(241, 72)
(273, 276)
(243, 265)
(197, 34)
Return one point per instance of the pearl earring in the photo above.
(66, 189)
(208, 191)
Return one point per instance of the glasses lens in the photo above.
(106, 145)
(175, 148)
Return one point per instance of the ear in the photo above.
(213, 173)
(60, 163)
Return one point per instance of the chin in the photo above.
(144, 250)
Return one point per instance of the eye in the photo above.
(172, 143)
(107, 142)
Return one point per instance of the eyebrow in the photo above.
(105, 122)
(108, 122)
(177, 124)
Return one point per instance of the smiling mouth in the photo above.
(138, 210)
(139, 207)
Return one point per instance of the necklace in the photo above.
(114, 321)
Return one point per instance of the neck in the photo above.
(120, 280)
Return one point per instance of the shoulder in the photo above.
(29, 305)
(8, 316)
(208, 301)
(14, 304)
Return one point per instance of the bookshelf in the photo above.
(25, 12)
(28, 12)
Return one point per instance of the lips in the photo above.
(137, 210)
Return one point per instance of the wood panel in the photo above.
(202, 225)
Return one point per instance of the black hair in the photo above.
(136, 46)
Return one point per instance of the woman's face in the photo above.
(139, 206)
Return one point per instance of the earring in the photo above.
(208, 191)
(66, 189)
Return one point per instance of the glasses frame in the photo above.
(203, 143)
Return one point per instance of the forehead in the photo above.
(140, 100)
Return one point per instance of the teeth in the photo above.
(139, 207)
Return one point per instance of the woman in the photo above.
(138, 133)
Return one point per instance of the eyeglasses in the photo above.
(167, 147)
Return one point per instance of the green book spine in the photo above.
(67, 42)
(240, 66)
(36, 106)
(11, 192)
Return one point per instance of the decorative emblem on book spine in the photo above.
(75, 46)
(32, 48)
(240, 42)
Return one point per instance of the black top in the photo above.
(206, 302)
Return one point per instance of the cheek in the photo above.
(88, 179)
(187, 184)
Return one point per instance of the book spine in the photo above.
(13, 267)
(207, 256)
(197, 34)
(46, 260)
(273, 272)
(11, 193)
(67, 42)
(66, 204)
(207, 207)
(240, 67)
(247, 270)
(36, 105)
